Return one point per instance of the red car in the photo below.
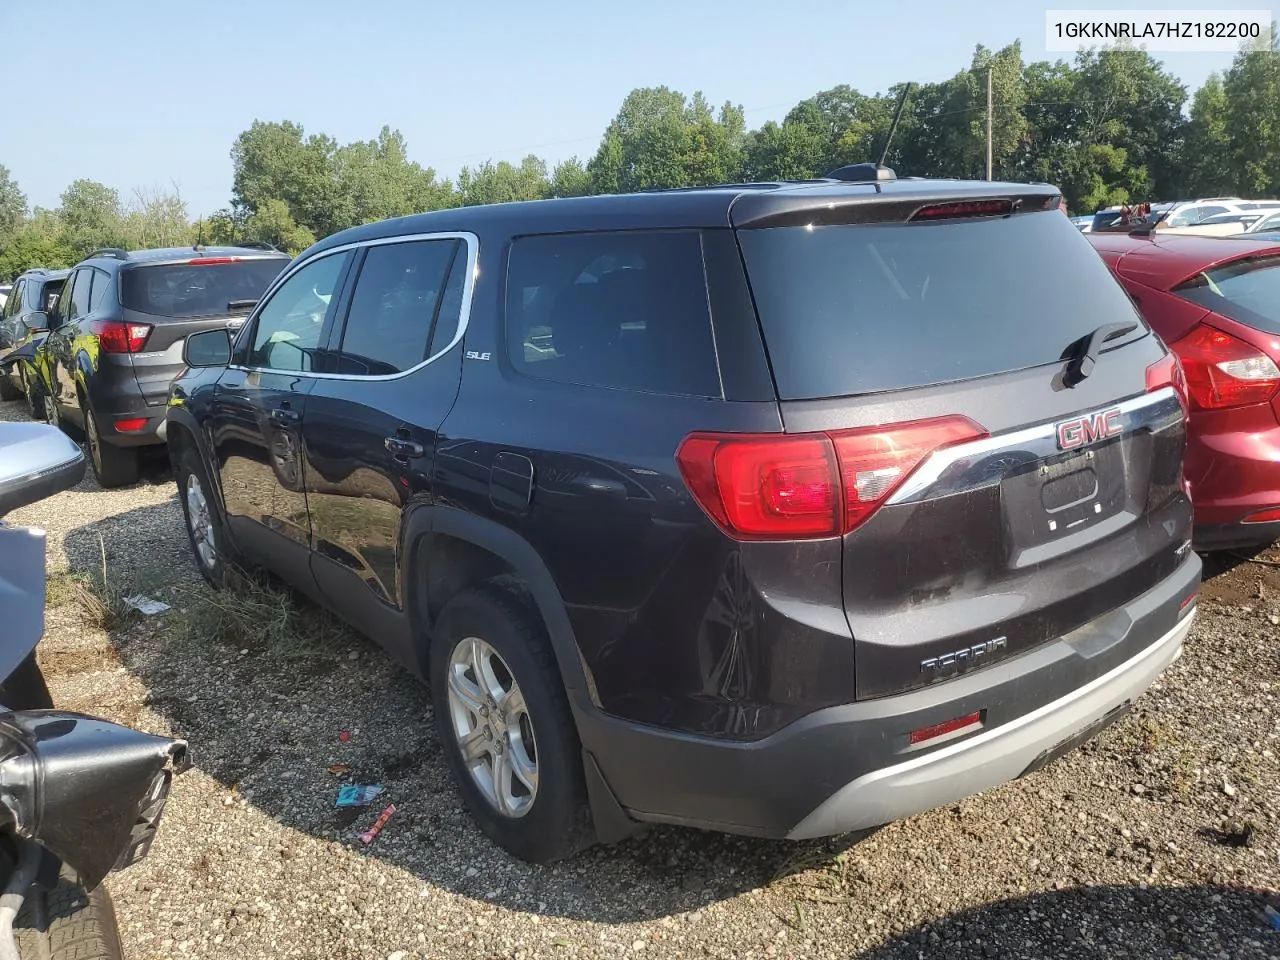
(1216, 302)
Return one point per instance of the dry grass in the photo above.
(255, 614)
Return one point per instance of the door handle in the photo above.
(403, 449)
(282, 415)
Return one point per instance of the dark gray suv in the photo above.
(24, 319)
(116, 338)
(784, 509)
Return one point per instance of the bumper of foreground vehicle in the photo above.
(853, 767)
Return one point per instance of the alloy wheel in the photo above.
(492, 725)
(200, 523)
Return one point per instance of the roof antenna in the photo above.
(893, 127)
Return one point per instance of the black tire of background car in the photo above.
(34, 391)
(66, 923)
(558, 825)
(24, 688)
(226, 558)
(113, 466)
(7, 390)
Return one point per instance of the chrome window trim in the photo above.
(469, 282)
(971, 466)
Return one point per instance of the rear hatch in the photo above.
(178, 298)
(993, 498)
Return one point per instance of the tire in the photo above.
(554, 823)
(217, 565)
(7, 390)
(66, 923)
(34, 390)
(113, 466)
(25, 688)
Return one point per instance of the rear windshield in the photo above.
(861, 309)
(196, 289)
(1247, 291)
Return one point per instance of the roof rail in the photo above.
(113, 252)
(257, 245)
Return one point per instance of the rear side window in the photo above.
(400, 296)
(1247, 291)
(78, 304)
(49, 293)
(623, 310)
(101, 290)
(862, 309)
(219, 287)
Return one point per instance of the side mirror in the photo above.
(36, 321)
(36, 461)
(209, 348)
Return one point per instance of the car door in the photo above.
(371, 426)
(256, 417)
(64, 341)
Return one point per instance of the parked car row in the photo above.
(780, 509)
(97, 346)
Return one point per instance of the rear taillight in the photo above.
(114, 336)
(1224, 371)
(1168, 372)
(792, 486)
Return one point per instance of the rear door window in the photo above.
(399, 298)
(101, 291)
(1247, 291)
(626, 310)
(78, 302)
(203, 287)
(867, 308)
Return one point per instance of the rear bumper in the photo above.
(115, 396)
(995, 757)
(852, 766)
(1233, 464)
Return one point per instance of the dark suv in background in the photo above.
(25, 318)
(784, 509)
(117, 335)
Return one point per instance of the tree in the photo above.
(504, 182)
(272, 223)
(570, 179)
(13, 205)
(376, 180)
(273, 161)
(91, 217)
(29, 249)
(659, 138)
(1207, 151)
(157, 219)
(1251, 89)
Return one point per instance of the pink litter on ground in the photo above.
(378, 824)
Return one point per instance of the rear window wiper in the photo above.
(1084, 362)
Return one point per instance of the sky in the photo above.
(143, 94)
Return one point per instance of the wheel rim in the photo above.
(91, 434)
(492, 727)
(200, 523)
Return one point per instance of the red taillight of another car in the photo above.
(801, 486)
(1223, 371)
(1168, 372)
(115, 336)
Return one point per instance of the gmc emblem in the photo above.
(1089, 429)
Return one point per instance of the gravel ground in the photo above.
(1159, 839)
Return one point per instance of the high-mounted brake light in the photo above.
(964, 208)
(114, 336)
(1224, 371)
(796, 486)
(1168, 372)
(208, 261)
